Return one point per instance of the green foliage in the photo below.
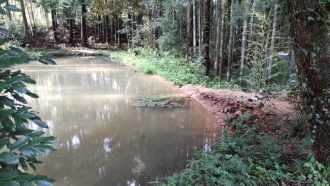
(250, 157)
(160, 101)
(19, 145)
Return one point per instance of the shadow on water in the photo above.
(101, 139)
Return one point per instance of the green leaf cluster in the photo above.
(250, 157)
(19, 145)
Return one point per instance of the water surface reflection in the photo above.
(101, 139)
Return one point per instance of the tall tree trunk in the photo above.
(190, 27)
(54, 24)
(194, 29)
(244, 35)
(206, 37)
(231, 40)
(83, 26)
(25, 23)
(113, 29)
(218, 36)
(70, 31)
(311, 42)
(99, 28)
(107, 30)
(272, 42)
(222, 38)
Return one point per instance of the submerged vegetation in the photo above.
(159, 101)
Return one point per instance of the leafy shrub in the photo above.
(249, 157)
(19, 145)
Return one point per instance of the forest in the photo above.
(265, 46)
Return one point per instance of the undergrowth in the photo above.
(250, 157)
(178, 70)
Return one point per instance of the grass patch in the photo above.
(178, 70)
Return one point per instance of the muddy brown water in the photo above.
(102, 140)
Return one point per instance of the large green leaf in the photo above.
(19, 87)
(22, 132)
(36, 141)
(18, 121)
(29, 151)
(4, 141)
(27, 115)
(47, 61)
(6, 101)
(45, 148)
(9, 123)
(25, 184)
(11, 183)
(22, 177)
(39, 122)
(20, 98)
(19, 143)
(14, 79)
(32, 95)
(4, 63)
(29, 80)
(9, 158)
(5, 74)
(7, 175)
(33, 166)
(43, 177)
(43, 183)
(12, 8)
(23, 163)
(36, 134)
(7, 112)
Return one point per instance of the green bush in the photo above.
(19, 145)
(249, 157)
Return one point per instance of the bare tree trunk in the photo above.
(70, 31)
(206, 37)
(272, 43)
(190, 27)
(194, 29)
(245, 20)
(218, 36)
(222, 38)
(230, 44)
(25, 23)
(83, 26)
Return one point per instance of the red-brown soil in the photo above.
(229, 103)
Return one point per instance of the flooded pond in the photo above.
(102, 140)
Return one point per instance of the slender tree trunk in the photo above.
(311, 48)
(272, 43)
(54, 24)
(107, 30)
(244, 35)
(25, 23)
(218, 36)
(194, 29)
(206, 37)
(83, 26)
(113, 29)
(230, 44)
(99, 29)
(70, 31)
(190, 27)
(222, 38)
